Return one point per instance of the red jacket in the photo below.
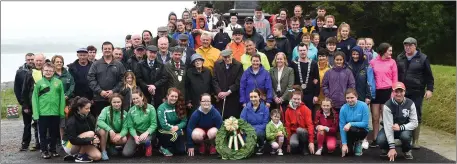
(300, 117)
(331, 121)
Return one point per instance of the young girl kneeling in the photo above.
(326, 122)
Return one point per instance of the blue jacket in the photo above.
(204, 121)
(249, 81)
(258, 119)
(357, 115)
(346, 46)
(312, 53)
(190, 41)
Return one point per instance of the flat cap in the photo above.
(152, 48)
(225, 53)
(162, 29)
(410, 40)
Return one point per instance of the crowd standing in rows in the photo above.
(293, 79)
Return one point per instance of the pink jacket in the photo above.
(385, 72)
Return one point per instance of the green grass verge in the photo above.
(438, 112)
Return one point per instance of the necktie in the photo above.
(177, 65)
(151, 64)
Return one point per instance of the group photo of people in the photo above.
(304, 84)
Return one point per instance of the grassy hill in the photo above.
(438, 112)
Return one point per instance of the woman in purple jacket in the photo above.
(337, 80)
(256, 77)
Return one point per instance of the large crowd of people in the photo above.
(298, 81)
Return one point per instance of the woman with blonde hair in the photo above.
(282, 78)
(345, 41)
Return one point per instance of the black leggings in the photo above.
(353, 135)
(176, 147)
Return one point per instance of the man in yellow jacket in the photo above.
(250, 50)
(48, 103)
(208, 52)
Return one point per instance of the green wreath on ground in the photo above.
(246, 148)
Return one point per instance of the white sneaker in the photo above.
(365, 144)
(319, 151)
(280, 152)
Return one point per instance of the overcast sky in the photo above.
(83, 21)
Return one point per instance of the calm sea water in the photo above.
(11, 62)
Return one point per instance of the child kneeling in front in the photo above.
(113, 125)
(143, 125)
(326, 122)
(276, 132)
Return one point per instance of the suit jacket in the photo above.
(286, 81)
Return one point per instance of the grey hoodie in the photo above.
(262, 26)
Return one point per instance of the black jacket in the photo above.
(256, 37)
(283, 45)
(19, 81)
(221, 40)
(294, 40)
(103, 76)
(326, 33)
(196, 84)
(151, 76)
(27, 90)
(82, 88)
(270, 53)
(359, 70)
(415, 74)
(76, 125)
(171, 42)
(132, 64)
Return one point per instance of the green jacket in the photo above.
(271, 131)
(104, 121)
(68, 82)
(142, 121)
(169, 118)
(48, 98)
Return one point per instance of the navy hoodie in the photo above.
(346, 46)
(204, 121)
(360, 72)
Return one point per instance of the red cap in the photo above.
(398, 85)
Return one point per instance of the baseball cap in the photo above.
(183, 37)
(398, 85)
(152, 48)
(270, 38)
(248, 19)
(81, 50)
(410, 40)
(162, 29)
(237, 31)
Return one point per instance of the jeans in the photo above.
(261, 138)
(417, 98)
(404, 136)
(300, 137)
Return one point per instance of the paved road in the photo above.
(12, 133)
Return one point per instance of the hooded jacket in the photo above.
(385, 72)
(190, 41)
(76, 125)
(299, 117)
(336, 81)
(357, 115)
(103, 76)
(258, 118)
(79, 74)
(19, 81)
(115, 123)
(283, 45)
(256, 37)
(67, 81)
(196, 36)
(198, 119)
(263, 26)
(221, 39)
(250, 81)
(346, 46)
(48, 98)
(142, 121)
(361, 75)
